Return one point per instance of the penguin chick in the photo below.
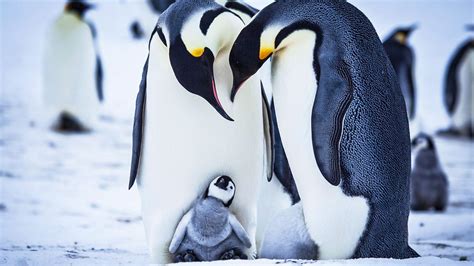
(209, 231)
(288, 238)
(429, 184)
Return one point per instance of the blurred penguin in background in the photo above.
(429, 184)
(402, 57)
(459, 90)
(72, 74)
(157, 7)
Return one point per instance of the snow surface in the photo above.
(64, 198)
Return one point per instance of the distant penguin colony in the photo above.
(320, 50)
(72, 74)
(429, 184)
(186, 129)
(209, 231)
(402, 57)
(459, 90)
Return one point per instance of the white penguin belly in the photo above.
(335, 221)
(187, 144)
(69, 70)
(464, 113)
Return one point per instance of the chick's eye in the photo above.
(231, 187)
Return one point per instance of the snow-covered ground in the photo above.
(64, 198)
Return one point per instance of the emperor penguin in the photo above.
(429, 183)
(209, 231)
(342, 121)
(402, 57)
(459, 90)
(72, 72)
(187, 127)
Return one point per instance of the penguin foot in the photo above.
(187, 256)
(233, 254)
(68, 123)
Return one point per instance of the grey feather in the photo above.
(209, 230)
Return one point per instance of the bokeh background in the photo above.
(64, 198)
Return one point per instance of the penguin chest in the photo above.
(187, 143)
(69, 68)
(463, 115)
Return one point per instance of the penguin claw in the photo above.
(188, 256)
(233, 254)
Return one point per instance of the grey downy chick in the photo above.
(209, 231)
(429, 184)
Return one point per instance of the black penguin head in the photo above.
(223, 189)
(78, 7)
(423, 141)
(195, 33)
(424, 151)
(402, 34)
(247, 56)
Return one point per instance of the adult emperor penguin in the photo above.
(459, 90)
(72, 74)
(186, 129)
(342, 121)
(402, 57)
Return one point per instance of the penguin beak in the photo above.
(194, 71)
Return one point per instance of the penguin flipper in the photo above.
(411, 91)
(99, 73)
(451, 89)
(138, 126)
(99, 77)
(269, 134)
(333, 97)
(239, 230)
(180, 232)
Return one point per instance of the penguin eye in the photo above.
(231, 187)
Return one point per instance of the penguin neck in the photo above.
(77, 14)
(426, 159)
(211, 215)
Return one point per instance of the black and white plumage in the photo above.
(429, 183)
(72, 73)
(209, 231)
(187, 129)
(402, 57)
(342, 121)
(459, 90)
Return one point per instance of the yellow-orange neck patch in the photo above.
(197, 52)
(265, 52)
